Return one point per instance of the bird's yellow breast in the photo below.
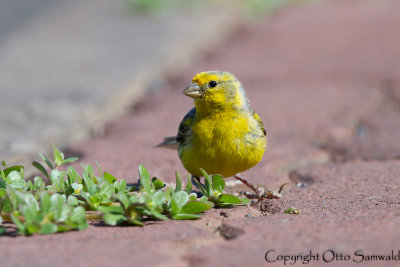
(223, 143)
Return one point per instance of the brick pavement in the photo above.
(325, 80)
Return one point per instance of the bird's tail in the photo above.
(169, 142)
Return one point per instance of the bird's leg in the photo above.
(259, 192)
(196, 178)
(196, 181)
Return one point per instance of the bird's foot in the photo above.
(260, 192)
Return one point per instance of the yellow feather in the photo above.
(225, 136)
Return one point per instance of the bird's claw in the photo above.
(260, 192)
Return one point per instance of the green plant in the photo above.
(292, 210)
(43, 213)
(2, 229)
(213, 190)
(154, 202)
(62, 203)
(58, 161)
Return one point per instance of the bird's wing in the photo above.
(257, 118)
(173, 142)
(185, 126)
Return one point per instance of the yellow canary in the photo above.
(222, 134)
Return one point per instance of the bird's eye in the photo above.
(212, 84)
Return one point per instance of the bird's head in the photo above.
(216, 90)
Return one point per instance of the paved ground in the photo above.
(325, 80)
(67, 66)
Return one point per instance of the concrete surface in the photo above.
(324, 79)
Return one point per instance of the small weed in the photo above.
(62, 202)
(292, 210)
(213, 190)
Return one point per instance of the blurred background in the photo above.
(68, 66)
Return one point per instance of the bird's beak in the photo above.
(193, 90)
